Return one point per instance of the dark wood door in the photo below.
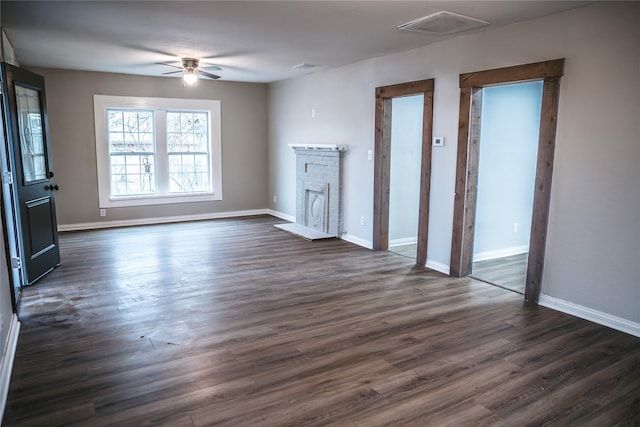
(31, 169)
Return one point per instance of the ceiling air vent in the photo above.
(304, 66)
(443, 23)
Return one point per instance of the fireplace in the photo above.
(315, 204)
(319, 188)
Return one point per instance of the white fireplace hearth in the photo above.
(318, 190)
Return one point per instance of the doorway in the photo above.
(466, 191)
(509, 127)
(404, 187)
(382, 162)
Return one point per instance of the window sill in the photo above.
(158, 200)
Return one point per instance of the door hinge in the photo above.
(15, 263)
(7, 177)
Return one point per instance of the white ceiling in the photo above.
(253, 41)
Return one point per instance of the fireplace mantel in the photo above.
(322, 147)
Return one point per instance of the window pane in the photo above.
(130, 131)
(132, 174)
(187, 132)
(31, 136)
(200, 123)
(187, 142)
(114, 121)
(186, 122)
(174, 142)
(173, 122)
(146, 142)
(201, 142)
(188, 173)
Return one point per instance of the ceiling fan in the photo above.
(191, 72)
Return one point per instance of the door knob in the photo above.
(52, 187)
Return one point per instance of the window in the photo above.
(157, 150)
(188, 151)
(131, 152)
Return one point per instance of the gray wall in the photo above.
(71, 125)
(509, 129)
(593, 243)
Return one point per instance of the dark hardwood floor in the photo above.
(508, 272)
(238, 323)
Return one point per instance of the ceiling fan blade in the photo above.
(168, 65)
(211, 67)
(211, 76)
(173, 72)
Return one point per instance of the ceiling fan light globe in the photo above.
(190, 78)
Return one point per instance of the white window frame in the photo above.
(160, 106)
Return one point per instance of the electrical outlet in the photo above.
(274, 199)
(515, 228)
(369, 155)
(361, 220)
(103, 212)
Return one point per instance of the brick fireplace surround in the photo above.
(319, 187)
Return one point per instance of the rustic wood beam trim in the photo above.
(538, 70)
(471, 196)
(380, 180)
(406, 89)
(382, 162)
(455, 266)
(542, 191)
(466, 182)
(425, 177)
(466, 168)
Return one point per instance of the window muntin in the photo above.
(157, 150)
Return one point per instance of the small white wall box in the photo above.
(438, 141)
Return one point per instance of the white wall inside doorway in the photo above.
(509, 129)
(406, 149)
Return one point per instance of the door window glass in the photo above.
(31, 134)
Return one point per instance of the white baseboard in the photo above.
(403, 241)
(500, 253)
(590, 314)
(159, 220)
(438, 266)
(357, 241)
(281, 215)
(6, 365)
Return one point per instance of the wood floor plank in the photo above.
(235, 322)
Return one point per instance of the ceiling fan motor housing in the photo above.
(190, 63)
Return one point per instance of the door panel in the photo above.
(31, 168)
(39, 215)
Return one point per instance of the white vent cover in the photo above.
(443, 23)
(304, 66)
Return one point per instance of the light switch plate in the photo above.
(438, 141)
